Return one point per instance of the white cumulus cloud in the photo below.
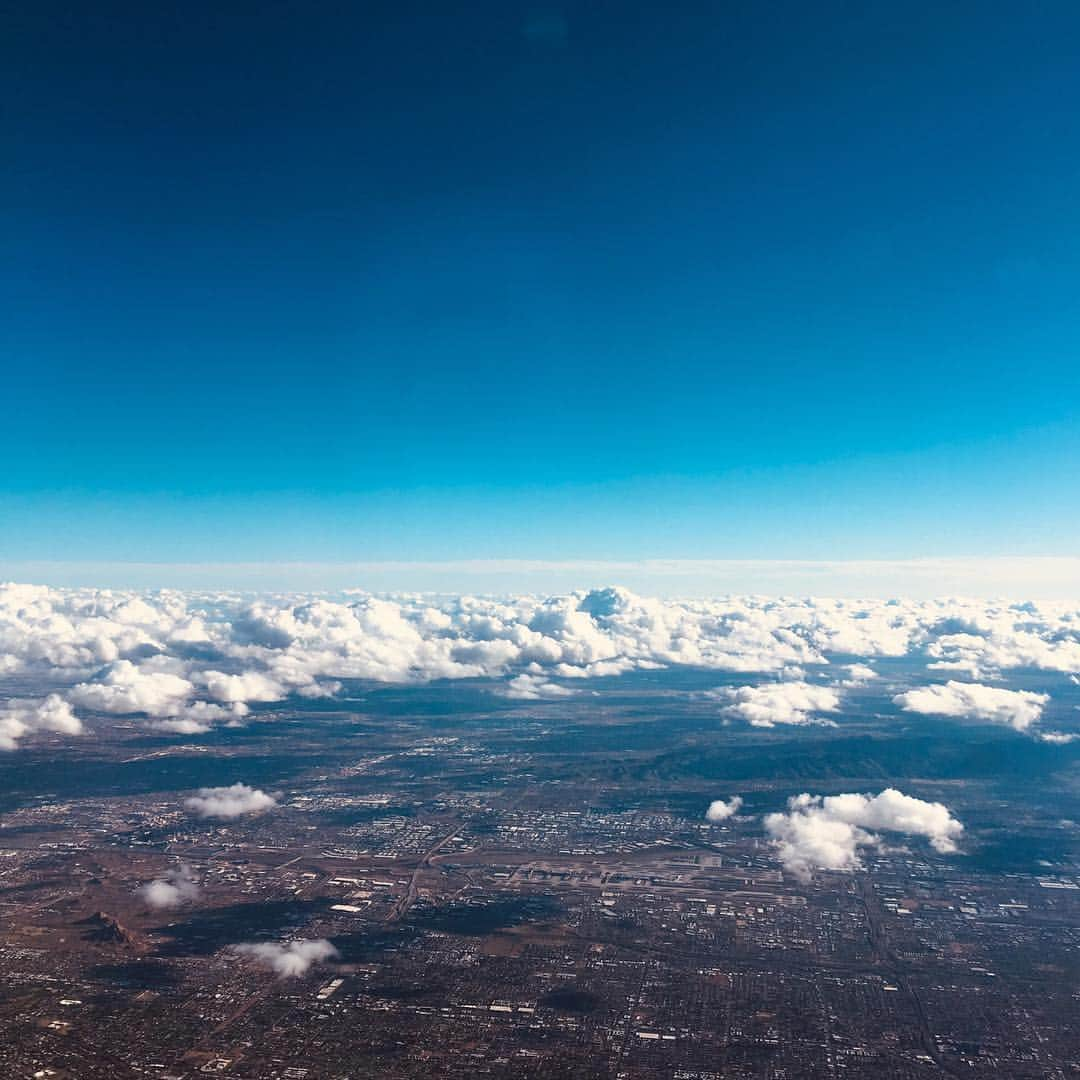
(858, 675)
(128, 688)
(778, 703)
(20, 717)
(828, 832)
(248, 686)
(229, 802)
(290, 958)
(174, 888)
(1019, 709)
(719, 810)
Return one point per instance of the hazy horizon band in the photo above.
(1056, 577)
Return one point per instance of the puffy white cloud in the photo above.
(78, 630)
(173, 889)
(896, 812)
(22, 717)
(1017, 708)
(778, 703)
(290, 958)
(128, 688)
(829, 832)
(229, 802)
(719, 810)
(999, 643)
(249, 686)
(858, 675)
(55, 714)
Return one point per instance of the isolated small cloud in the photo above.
(1019, 709)
(719, 810)
(181, 726)
(229, 802)
(778, 703)
(1059, 738)
(173, 889)
(290, 958)
(829, 832)
(534, 688)
(858, 675)
(199, 717)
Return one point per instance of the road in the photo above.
(883, 953)
(401, 908)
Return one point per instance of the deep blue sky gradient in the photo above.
(403, 280)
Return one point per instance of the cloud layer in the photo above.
(184, 662)
(828, 832)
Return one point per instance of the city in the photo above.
(496, 906)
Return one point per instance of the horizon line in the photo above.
(1055, 576)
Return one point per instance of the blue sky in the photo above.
(329, 281)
